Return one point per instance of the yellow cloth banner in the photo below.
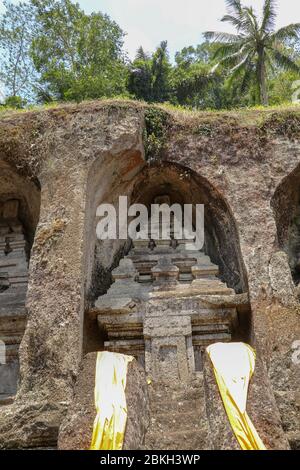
(233, 365)
(110, 401)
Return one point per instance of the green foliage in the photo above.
(149, 78)
(161, 69)
(79, 56)
(192, 83)
(15, 102)
(140, 77)
(281, 87)
(51, 50)
(256, 47)
(155, 134)
(16, 33)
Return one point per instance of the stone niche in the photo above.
(286, 207)
(162, 301)
(166, 304)
(284, 319)
(13, 287)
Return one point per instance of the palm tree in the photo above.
(256, 47)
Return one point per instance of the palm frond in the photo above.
(239, 70)
(236, 15)
(285, 61)
(250, 21)
(249, 76)
(291, 31)
(255, 43)
(241, 65)
(234, 6)
(232, 60)
(214, 68)
(269, 16)
(225, 50)
(235, 21)
(269, 62)
(229, 61)
(216, 36)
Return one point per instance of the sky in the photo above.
(148, 22)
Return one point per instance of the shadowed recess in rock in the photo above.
(19, 213)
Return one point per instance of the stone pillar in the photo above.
(76, 430)
(261, 408)
(274, 307)
(169, 354)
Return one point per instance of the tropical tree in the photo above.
(16, 68)
(192, 82)
(149, 77)
(78, 56)
(257, 47)
(161, 69)
(140, 77)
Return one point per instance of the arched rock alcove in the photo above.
(142, 184)
(184, 186)
(286, 207)
(19, 215)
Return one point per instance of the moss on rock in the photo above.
(155, 133)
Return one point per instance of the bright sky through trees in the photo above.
(148, 22)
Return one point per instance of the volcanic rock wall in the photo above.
(243, 167)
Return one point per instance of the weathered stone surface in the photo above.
(281, 280)
(57, 291)
(31, 424)
(164, 272)
(12, 327)
(289, 407)
(246, 173)
(178, 416)
(263, 409)
(76, 430)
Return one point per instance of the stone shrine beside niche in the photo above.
(13, 288)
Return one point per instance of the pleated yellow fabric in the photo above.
(233, 365)
(110, 401)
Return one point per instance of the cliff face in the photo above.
(61, 163)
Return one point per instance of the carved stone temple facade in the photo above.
(165, 306)
(65, 294)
